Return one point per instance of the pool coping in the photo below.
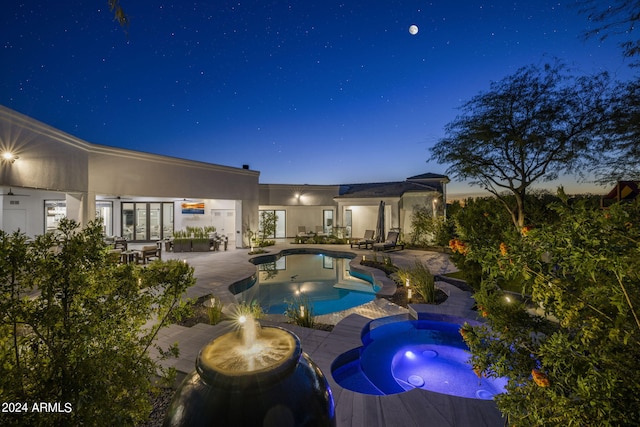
(411, 408)
(215, 271)
(417, 315)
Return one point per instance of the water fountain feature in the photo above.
(253, 376)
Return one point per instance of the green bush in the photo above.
(252, 309)
(570, 352)
(483, 222)
(429, 231)
(421, 280)
(300, 312)
(265, 243)
(214, 312)
(83, 340)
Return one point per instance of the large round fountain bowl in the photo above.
(289, 391)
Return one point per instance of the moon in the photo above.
(413, 30)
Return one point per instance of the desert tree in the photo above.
(616, 18)
(118, 13)
(529, 127)
(617, 156)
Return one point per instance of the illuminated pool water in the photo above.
(323, 279)
(400, 355)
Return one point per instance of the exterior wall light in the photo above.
(9, 157)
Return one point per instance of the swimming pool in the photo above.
(399, 355)
(321, 278)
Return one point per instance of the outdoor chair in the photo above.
(115, 255)
(365, 241)
(302, 231)
(320, 231)
(147, 252)
(120, 243)
(390, 243)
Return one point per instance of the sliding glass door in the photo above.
(280, 231)
(144, 221)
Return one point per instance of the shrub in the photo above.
(84, 340)
(214, 311)
(252, 309)
(572, 361)
(428, 230)
(421, 280)
(300, 312)
(481, 223)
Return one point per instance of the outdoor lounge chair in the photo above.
(365, 241)
(320, 231)
(390, 243)
(302, 231)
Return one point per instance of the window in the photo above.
(280, 224)
(327, 262)
(147, 221)
(104, 213)
(348, 221)
(167, 220)
(327, 221)
(54, 211)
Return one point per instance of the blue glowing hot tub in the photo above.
(398, 355)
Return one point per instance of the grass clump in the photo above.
(214, 311)
(421, 280)
(300, 312)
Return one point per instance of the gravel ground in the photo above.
(160, 406)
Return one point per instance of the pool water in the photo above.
(402, 355)
(323, 280)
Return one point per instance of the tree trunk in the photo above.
(520, 201)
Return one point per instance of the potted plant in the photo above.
(201, 244)
(181, 242)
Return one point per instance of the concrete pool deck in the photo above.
(215, 271)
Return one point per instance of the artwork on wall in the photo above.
(190, 208)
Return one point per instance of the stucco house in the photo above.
(46, 174)
(350, 209)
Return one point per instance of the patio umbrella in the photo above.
(380, 224)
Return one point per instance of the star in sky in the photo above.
(306, 92)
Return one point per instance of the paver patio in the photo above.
(215, 271)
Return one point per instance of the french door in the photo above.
(147, 221)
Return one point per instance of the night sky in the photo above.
(316, 92)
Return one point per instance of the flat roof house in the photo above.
(352, 208)
(47, 174)
(140, 196)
